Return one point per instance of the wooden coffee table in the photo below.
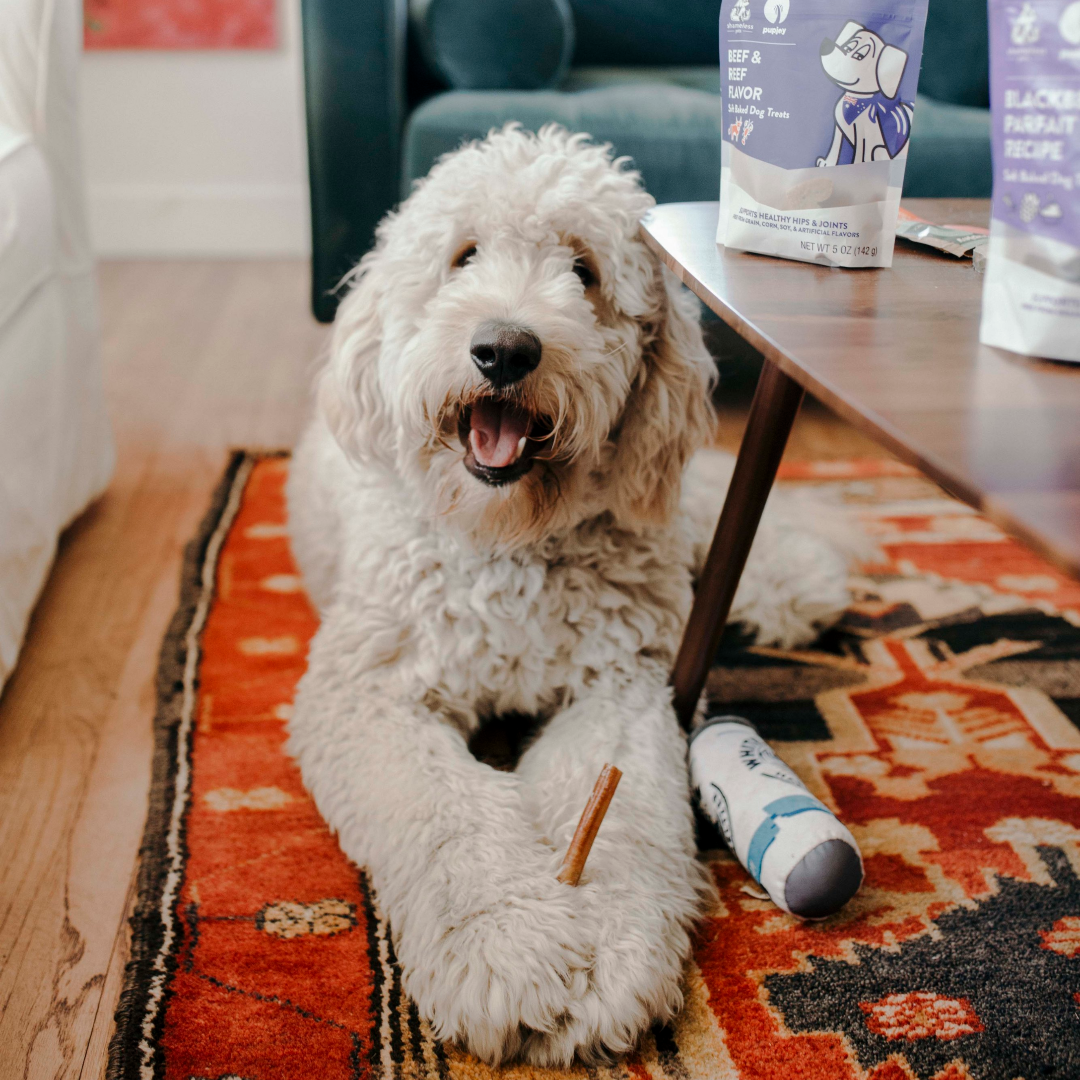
(896, 352)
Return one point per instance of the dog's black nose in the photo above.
(504, 354)
(827, 46)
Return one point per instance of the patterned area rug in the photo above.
(941, 719)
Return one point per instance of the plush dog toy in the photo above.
(872, 123)
(790, 842)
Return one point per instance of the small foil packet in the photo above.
(958, 240)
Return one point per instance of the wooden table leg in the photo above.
(776, 401)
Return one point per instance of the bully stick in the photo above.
(588, 826)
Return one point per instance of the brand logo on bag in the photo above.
(776, 11)
(1025, 26)
(740, 12)
(1069, 23)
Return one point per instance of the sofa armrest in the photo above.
(354, 74)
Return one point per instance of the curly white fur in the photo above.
(445, 601)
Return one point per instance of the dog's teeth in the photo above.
(520, 448)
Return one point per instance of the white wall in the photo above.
(198, 153)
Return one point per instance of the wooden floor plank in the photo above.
(200, 357)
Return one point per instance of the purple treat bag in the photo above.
(1031, 295)
(818, 99)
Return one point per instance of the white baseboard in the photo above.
(191, 220)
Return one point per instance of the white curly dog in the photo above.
(486, 511)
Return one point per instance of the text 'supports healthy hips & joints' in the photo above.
(1031, 296)
(818, 98)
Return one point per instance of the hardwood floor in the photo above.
(200, 357)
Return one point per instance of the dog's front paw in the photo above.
(641, 940)
(496, 978)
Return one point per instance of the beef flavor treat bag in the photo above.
(1031, 295)
(818, 98)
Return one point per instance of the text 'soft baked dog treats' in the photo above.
(818, 100)
(1031, 297)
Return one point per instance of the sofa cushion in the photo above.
(495, 44)
(949, 153)
(706, 77)
(956, 53)
(669, 121)
(671, 132)
(646, 32)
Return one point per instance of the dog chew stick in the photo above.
(589, 825)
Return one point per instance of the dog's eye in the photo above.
(464, 255)
(584, 273)
(863, 53)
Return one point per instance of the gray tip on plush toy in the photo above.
(823, 880)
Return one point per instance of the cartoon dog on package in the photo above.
(872, 122)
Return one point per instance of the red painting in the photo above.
(179, 24)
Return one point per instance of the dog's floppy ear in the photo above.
(669, 413)
(890, 69)
(348, 394)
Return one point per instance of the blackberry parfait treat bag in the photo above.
(1031, 296)
(818, 99)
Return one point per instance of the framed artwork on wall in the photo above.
(179, 24)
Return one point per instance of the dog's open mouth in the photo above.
(500, 439)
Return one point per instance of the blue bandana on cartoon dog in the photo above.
(892, 115)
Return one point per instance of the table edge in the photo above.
(865, 421)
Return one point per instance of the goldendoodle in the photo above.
(495, 511)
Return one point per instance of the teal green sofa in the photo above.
(643, 75)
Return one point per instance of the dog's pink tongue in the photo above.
(496, 430)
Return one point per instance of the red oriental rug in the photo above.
(941, 719)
